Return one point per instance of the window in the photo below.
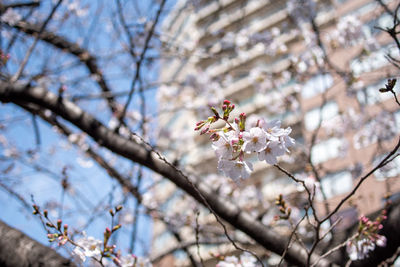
(316, 85)
(312, 117)
(392, 169)
(364, 9)
(373, 61)
(336, 184)
(397, 117)
(328, 149)
(382, 127)
(385, 21)
(371, 95)
(370, 28)
(349, 217)
(282, 184)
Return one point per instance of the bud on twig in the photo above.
(215, 112)
(115, 228)
(389, 86)
(35, 209)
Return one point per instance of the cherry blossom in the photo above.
(246, 259)
(11, 17)
(235, 169)
(223, 147)
(271, 152)
(360, 249)
(255, 140)
(132, 260)
(87, 247)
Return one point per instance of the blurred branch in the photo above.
(19, 5)
(382, 163)
(186, 245)
(140, 60)
(390, 230)
(123, 181)
(138, 151)
(17, 249)
(21, 68)
(72, 48)
(112, 172)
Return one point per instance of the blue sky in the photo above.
(91, 185)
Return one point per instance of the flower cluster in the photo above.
(246, 259)
(233, 141)
(88, 246)
(367, 238)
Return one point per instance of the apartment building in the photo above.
(248, 51)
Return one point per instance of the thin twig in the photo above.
(32, 47)
(197, 238)
(140, 61)
(382, 163)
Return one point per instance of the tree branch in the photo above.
(138, 151)
(17, 249)
(72, 48)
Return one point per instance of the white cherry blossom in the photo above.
(255, 140)
(223, 147)
(235, 169)
(271, 152)
(273, 129)
(246, 260)
(87, 247)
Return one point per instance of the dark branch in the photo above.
(138, 151)
(17, 249)
(72, 48)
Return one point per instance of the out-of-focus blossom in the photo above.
(11, 17)
(87, 247)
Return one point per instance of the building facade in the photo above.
(317, 67)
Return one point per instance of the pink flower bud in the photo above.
(117, 261)
(381, 241)
(205, 130)
(214, 137)
(227, 102)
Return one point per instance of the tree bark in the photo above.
(19, 250)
